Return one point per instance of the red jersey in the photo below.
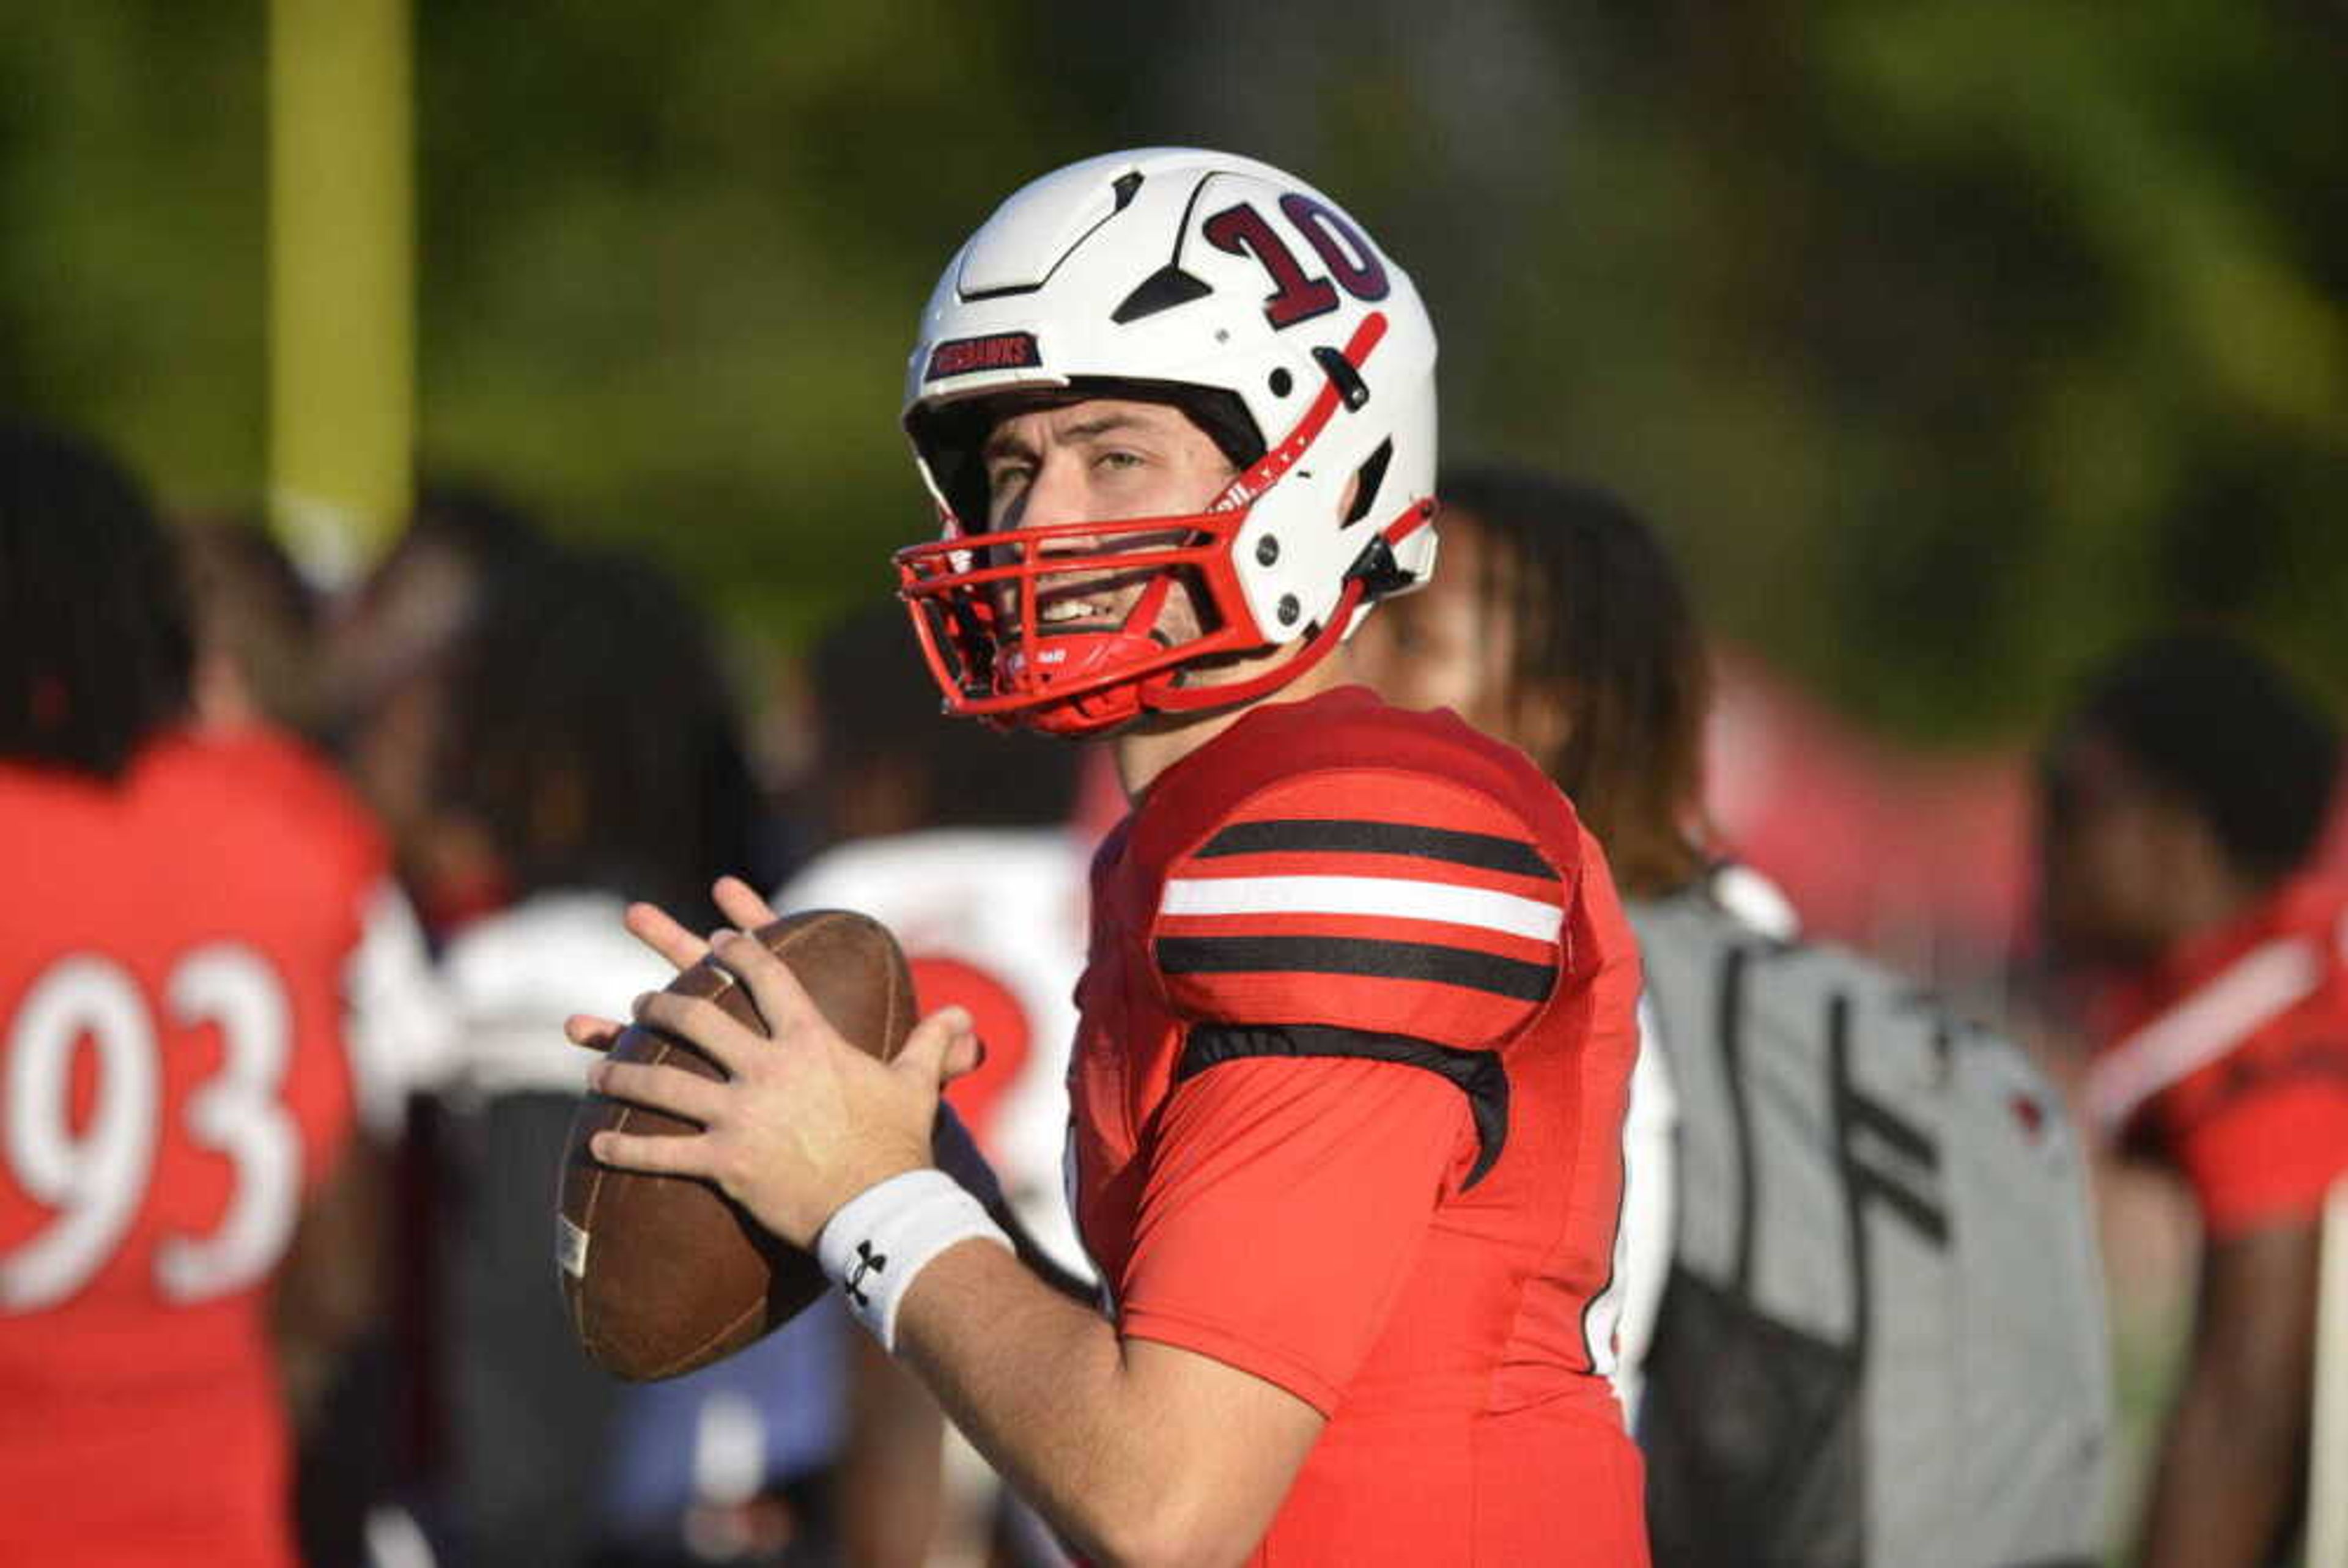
(2230, 1061)
(1349, 1086)
(172, 1084)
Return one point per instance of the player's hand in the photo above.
(804, 1121)
(658, 929)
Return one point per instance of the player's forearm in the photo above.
(2231, 1459)
(1045, 1389)
(2225, 1478)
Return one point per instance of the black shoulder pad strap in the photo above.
(1475, 1073)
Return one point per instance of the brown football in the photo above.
(665, 1274)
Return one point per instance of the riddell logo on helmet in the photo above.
(968, 355)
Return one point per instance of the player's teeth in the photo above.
(1059, 612)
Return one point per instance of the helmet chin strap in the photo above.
(1164, 694)
(1092, 712)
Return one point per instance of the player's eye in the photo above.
(1119, 458)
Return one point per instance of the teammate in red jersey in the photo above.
(185, 911)
(1357, 1015)
(2182, 801)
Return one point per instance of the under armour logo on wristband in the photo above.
(866, 1262)
(882, 1239)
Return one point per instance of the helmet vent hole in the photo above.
(1367, 483)
(1281, 383)
(1161, 291)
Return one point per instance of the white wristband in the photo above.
(889, 1233)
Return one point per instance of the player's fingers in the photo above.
(593, 1033)
(728, 1044)
(739, 902)
(658, 1088)
(964, 1055)
(686, 1156)
(943, 1036)
(782, 1002)
(656, 928)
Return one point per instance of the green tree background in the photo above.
(1950, 340)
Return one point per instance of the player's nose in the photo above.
(1058, 494)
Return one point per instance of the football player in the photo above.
(2181, 801)
(191, 912)
(1561, 624)
(1356, 1025)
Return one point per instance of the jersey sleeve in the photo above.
(1283, 1211)
(2264, 1144)
(1378, 901)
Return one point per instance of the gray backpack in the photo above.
(1883, 1339)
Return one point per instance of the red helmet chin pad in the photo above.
(1070, 661)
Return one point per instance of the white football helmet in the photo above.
(1251, 302)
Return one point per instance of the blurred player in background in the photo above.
(1777, 1427)
(387, 648)
(192, 910)
(581, 748)
(2182, 799)
(965, 848)
(961, 840)
(258, 630)
(1558, 626)
(258, 667)
(1356, 1025)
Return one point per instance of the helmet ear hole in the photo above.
(1368, 479)
(948, 441)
